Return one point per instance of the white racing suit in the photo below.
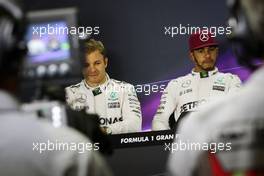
(233, 130)
(115, 102)
(185, 94)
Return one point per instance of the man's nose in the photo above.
(207, 53)
(92, 68)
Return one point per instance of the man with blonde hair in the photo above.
(114, 101)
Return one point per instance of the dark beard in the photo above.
(205, 69)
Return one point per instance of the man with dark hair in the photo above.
(235, 124)
(30, 147)
(204, 84)
(114, 101)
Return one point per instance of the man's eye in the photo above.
(212, 48)
(97, 63)
(200, 50)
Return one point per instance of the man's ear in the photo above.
(106, 61)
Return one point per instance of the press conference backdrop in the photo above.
(140, 49)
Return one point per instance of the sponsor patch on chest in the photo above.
(219, 88)
(185, 91)
(113, 105)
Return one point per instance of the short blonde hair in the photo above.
(94, 45)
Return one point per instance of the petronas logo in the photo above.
(113, 96)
